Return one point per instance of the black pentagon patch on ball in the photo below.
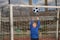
(36, 11)
(36, 8)
(33, 10)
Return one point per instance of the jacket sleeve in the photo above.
(38, 24)
(31, 22)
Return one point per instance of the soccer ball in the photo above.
(35, 10)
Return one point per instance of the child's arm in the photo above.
(31, 22)
(38, 23)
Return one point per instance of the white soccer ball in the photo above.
(35, 10)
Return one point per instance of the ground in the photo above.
(27, 38)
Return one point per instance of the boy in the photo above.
(34, 26)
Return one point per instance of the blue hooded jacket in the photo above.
(34, 31)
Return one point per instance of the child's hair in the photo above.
(35, 22)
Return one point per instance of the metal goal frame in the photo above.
(11, 16)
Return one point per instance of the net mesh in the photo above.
(21, 19)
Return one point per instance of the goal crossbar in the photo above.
(35, 6)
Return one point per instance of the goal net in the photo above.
(20, 16)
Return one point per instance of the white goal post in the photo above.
(11, 16)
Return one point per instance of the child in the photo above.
(34, 26)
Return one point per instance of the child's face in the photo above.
(34, 25)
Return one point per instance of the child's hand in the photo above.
(37, 18)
